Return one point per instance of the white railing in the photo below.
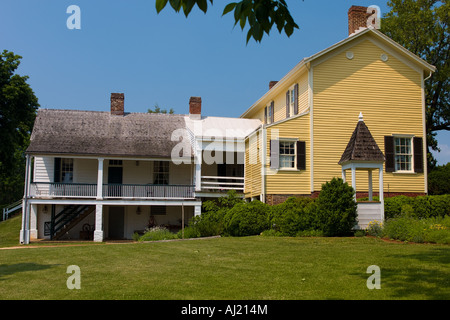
(67, 190)
(210, 183)
(11, 208)
(122, 191)
(150, 191)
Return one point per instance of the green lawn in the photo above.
(228, 268)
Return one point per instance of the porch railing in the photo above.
(68, 190)
(150, 191)
(122, 191)
(215, 183)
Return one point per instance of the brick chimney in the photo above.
(357, 18)
(195, 108)
(272, 83)
(117, 103)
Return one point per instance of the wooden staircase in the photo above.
(68, 218)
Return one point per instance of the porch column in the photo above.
(33, 221)
(98, 233)
(354, 179)
(198, 171)
(381, 192)
(344, 177)
(100, 179)
(370, 186)
(24, 237)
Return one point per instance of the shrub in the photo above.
(431, 206)
(246, 219)
(436, 230)
(189, 232)
(393, 206)
(336, 208)
(375, 228)
(210, 222)
(418, 207)
(405, 229)
(157, 233)
(292, 216)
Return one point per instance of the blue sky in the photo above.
(124, 46)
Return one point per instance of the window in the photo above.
(63, 170)
(269, 113)
(115, 162)
(292, 101)
(67, 170)
(161, 172)
(287, 154)
(403, 154)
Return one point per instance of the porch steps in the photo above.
(68, 218)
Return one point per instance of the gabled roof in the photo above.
(362, 146)
(305, 62)
(73, 132)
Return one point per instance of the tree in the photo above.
(422, 26)
(18, 106)
(159, 110)
(261, 15)
(439, 180)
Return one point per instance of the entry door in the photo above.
(115, 178)
(116, 222)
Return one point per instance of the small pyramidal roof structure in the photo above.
(362, 146)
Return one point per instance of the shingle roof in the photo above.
(362, 146)
(100, 133)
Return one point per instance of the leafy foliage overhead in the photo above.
(261, 15)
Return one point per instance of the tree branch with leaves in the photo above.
(261, 15)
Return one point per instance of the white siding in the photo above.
(43, 169)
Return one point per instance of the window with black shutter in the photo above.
(418, 154)
(57, 170)
(301, 155)
(389, 153)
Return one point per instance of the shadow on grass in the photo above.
(432, 282)
(425, 274)
(10, 269)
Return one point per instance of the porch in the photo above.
(106, 222)
(110, 191)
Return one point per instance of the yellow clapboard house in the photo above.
(309, 115)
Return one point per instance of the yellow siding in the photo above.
(252, 167)
(389, 96)
(303, 93)
(289, 182)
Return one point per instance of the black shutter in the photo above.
(265, 115)
(57, 170)
(296, 98)
(288, 112)
(301, 155)
(272, 108)
(418, 154)
(274, 154)
(389, 153)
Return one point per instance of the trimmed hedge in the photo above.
(417, 207)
